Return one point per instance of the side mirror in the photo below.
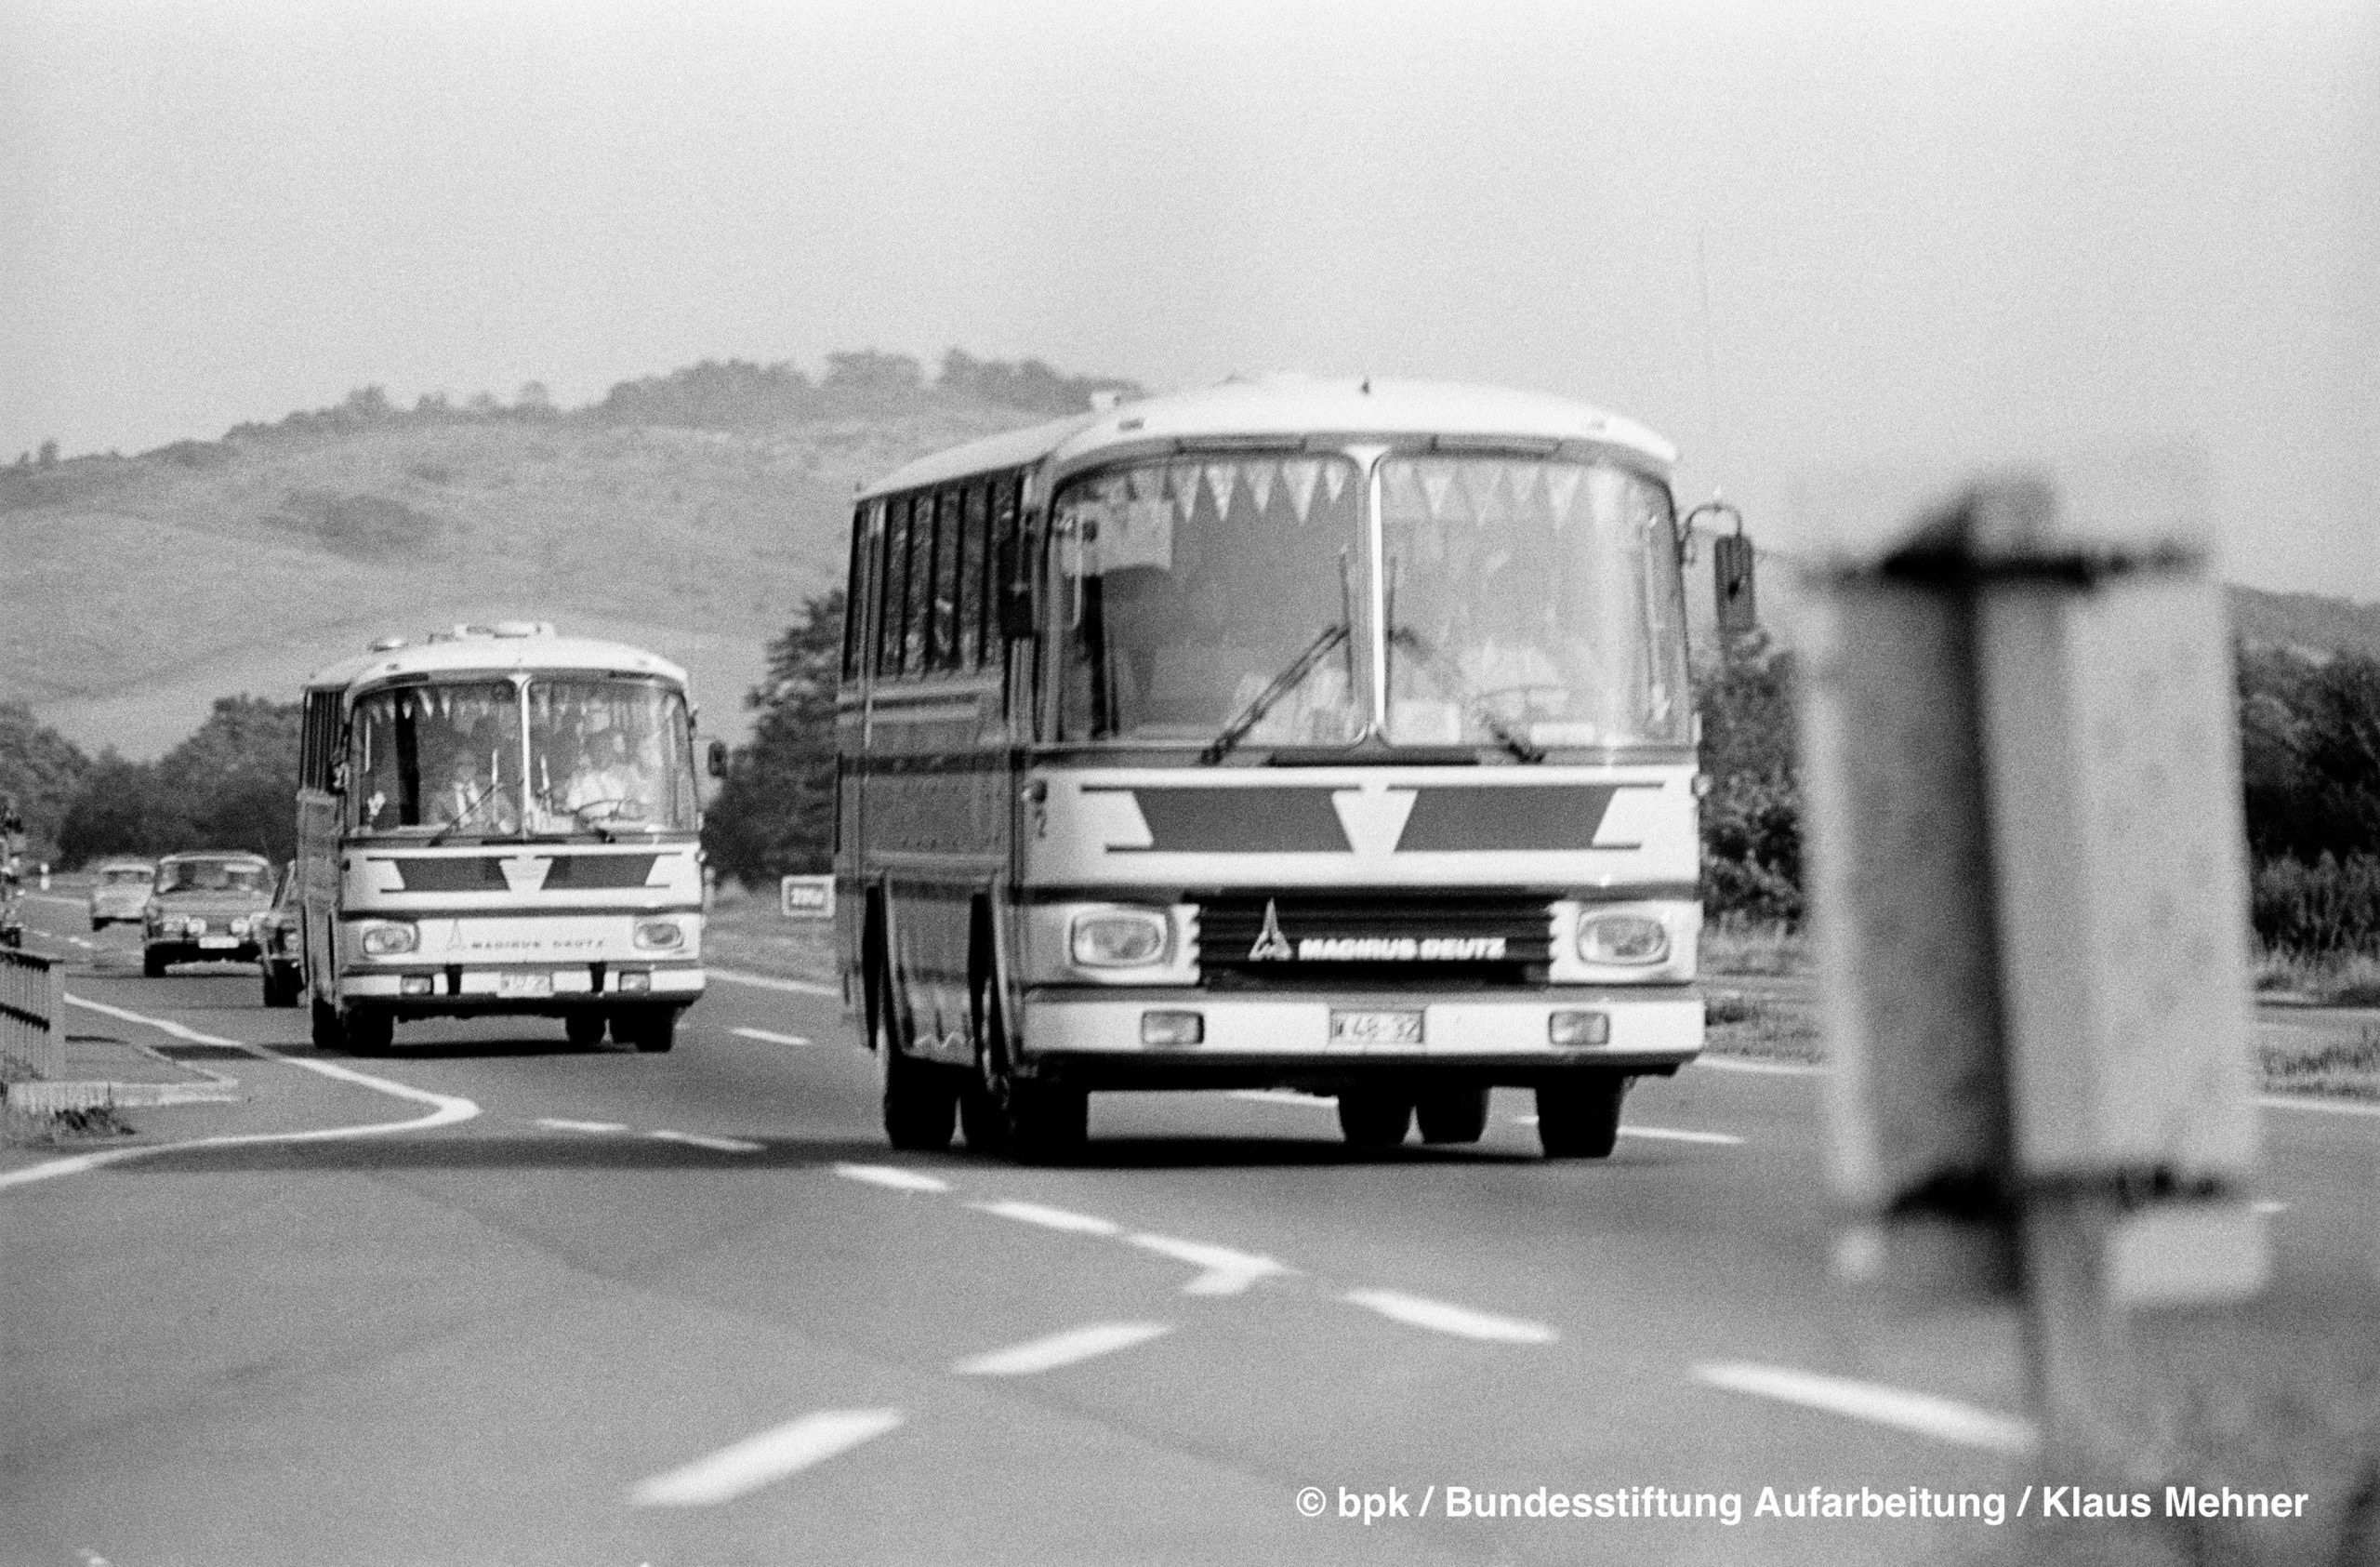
(717, 759)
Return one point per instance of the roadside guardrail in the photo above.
(33, 1012)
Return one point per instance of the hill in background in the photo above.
(690, 513)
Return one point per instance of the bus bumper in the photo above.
(1096, 1039)
(489, 988)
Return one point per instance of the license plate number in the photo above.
(219, 941)
(1375, 1028)
(515, 985)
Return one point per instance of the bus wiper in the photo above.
(1451, 678)
(1283, 684)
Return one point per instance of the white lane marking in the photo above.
(560, 1125)
(2308, 1102)
(772, 1455)
(767, 1038)
(1661, 1134)
(1062, 1349)
(1770, 1069)
(2268, 1206)
(1049, 1219)
(1463, 1321)
(446, 1109)
(1284, 1097)
(893, 1176)
(770, 982)
(1943, 1419)
(1225, 1270)
(722, 1145)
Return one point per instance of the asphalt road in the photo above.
(497, 1300)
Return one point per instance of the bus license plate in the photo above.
(1375, 1028)
(515, 986)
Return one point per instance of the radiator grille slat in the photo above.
(1374, 939)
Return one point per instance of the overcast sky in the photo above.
(1931, 233)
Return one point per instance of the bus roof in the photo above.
(1290, 405)
(473, 648)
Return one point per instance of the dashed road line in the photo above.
(2268, 1206)
(1225, 1272)
(1661, 1134)
(1049, 1219)
(892, 1177)
(1065, 1349)
(717, 1145)
(1943, 1419)
(765, 1037)
(1439, 1316)
(559, 1124)
(770, 982)
(757, 1461)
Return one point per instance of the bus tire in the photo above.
(583, 1030)
(919, 1099)
(1368, 1119)
(329, 1035)
(369, 1032)
(1031, 1123)
(652, 1029)
(1578, 1118)
(1452, 1115)
(153, 965)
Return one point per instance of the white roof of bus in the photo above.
(487, 651)
(1287, 404)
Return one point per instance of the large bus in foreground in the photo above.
(1333, 736)
(499, 820)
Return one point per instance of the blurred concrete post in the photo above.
(2029, 890)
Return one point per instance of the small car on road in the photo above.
(277, 951)
(206, 907)
(120, 891)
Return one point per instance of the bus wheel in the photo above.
(153, 965)
(653, 1029)
(329, 1034)
(981, 1113)
(1579, 1118)
(920, 1099)
(1374, 1119)
(369, 1033)
(1452, 1115)
(583, 1030)
(1031, 1123)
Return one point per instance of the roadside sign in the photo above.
(806, 898)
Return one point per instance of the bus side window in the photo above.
(893, 583)
(855, 594)
(948, 559)
(917, 623)
(975, 536)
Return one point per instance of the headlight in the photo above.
(383, 941)
(1117, 938)
(240, 926)
(192, 926)
(658, 934)
(1622, 939)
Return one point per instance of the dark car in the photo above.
(278, 954)
(204, 908)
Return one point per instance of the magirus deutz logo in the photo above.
(1272, 945)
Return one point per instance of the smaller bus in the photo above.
(499, 820)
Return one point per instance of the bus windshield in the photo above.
(1531, 603)
(596, 754)
(1190, 589)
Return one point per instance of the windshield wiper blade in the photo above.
(1283, 684)
(1452, 679)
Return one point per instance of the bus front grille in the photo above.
(1374, 939)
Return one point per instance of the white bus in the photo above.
(1324, 736)
(497, 820)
